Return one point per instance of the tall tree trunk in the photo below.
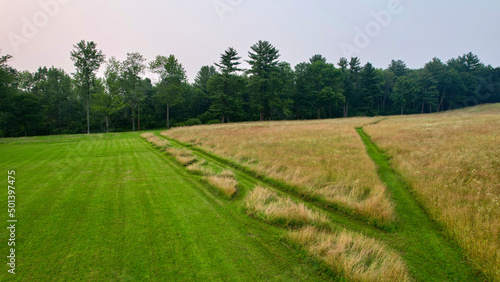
(133, 119)
(423, 103)
(227, 118)
(139, 118)
(107, 124)
(60, 126)
(402, 109)
(298, 112)
(168, 116)
(88, 108)
(222, 119)
(440, 106)
(330, 110)
(319, 113)
(261, 115)
(346, 110)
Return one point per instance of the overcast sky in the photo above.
(42, 33)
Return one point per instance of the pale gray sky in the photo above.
(42, 33)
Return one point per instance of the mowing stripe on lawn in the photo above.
(112, 207)
(429, 254)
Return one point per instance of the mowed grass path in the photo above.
(109, 207)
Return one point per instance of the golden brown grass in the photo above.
(356, 257)
(325, 159)
(155, 140)
(225, 184)
(201, 167)
(452, 161)
(267, 205)
(184, 156)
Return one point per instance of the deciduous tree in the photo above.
(172, 81)
(87, 60)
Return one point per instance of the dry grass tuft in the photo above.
(326, 159)
(452, 162)
(356, 257)
(184, 156)
(225, 184)
(201, 167)
(267, 205)
(155, 140)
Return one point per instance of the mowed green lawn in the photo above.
(111, 206)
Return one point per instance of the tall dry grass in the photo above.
(184, 156)
(452, 161)
(356, 257)
(201, 167)
(225, 183)
(268, 206)
(325, 159)
(155, 140)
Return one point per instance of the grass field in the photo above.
(323, 159)
(112, 207)
(452, 161)
(456, 166)
(363, 199)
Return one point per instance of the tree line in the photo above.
(51, 101)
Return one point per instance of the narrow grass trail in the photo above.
(428, 253)
(113, 207)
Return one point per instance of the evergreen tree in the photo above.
(225, 89)
(264, 63)
(370, 89)
(405, 90)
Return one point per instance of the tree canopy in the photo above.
(51, 101)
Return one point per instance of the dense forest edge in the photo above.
(51, 101)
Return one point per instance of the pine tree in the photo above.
(263, 62)
(225, 89)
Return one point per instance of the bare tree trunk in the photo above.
(402, 109)
(440, 106)
(168, 116)
(222, 119)
(60, 127)
(319, 113)
(133, 119)
(107, 124)
(139, 118)
(261, 115)
(88, 112)
(423, 103)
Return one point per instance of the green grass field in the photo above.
(112, 207)
(127, 206)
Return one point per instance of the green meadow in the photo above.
(112, 207)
